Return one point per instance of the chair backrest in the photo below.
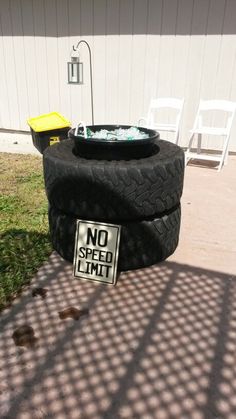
(165, 102)
(216, 105)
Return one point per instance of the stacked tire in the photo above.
(142, 195)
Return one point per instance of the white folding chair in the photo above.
(199, 128)
(157, 104)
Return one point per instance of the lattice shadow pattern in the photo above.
(161, 344)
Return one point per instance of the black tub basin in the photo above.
(112, 147)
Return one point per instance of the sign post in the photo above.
(96, 251)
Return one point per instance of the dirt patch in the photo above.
(42, 292)
(24, 336)
(73, 313)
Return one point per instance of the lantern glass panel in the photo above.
(75, 72)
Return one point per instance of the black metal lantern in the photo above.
(75, 71)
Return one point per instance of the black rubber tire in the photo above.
(142, 243)
(114, 190)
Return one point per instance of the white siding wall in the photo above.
(140, 49)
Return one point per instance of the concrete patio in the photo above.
(161, 344)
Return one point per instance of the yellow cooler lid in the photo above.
(48, 122)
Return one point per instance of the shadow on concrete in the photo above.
(204, 163)
(161, 344)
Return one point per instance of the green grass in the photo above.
(24, 239)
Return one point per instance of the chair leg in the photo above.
(224, 154)
(176, 140)
(199, 143)
(226, 159)
(188, 150)
(186, 158)
(220, 164)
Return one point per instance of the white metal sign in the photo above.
(96, 251)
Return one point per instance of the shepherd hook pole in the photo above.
(91, 77)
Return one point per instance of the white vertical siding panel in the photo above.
(99, 60)
(226, 75)
(181, 54)
(194, 66)
(138, 60)
(167, 47)
(4, 100)
(166, 57)
(52, 54)
(63, 51)
(140, 49)
(20, 65)
(8, 47)
(30, 58)
(212, 49)
(181, 48)
(112, 62)
(210, 66)
(75, 91)
(87, 16)
(125, 53)
(41, 56)
(232, 96)
(152, 52)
